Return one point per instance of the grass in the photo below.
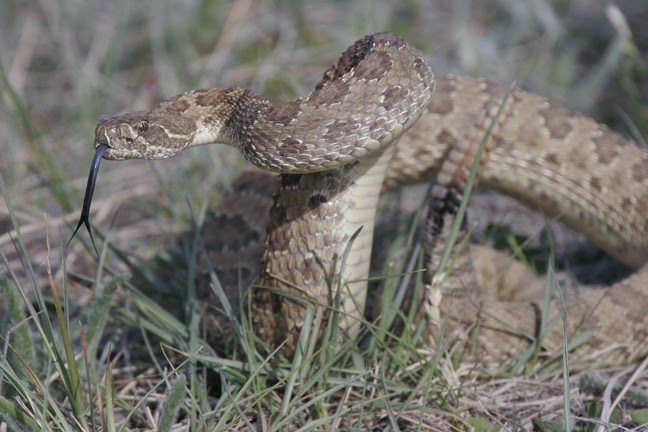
(85, 347)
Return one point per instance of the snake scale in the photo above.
(380, 119)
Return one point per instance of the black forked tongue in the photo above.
(87, 199)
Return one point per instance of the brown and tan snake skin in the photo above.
(339, 146)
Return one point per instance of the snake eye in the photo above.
(143, 127)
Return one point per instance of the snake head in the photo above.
(144, 134)
(138, 135)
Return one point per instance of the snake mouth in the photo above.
(87, 199)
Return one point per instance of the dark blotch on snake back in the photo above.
(87, 199)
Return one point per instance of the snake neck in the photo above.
(366, 100)
(220, 115)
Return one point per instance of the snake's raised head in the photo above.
(156, 134)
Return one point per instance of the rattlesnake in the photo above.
(338, 147)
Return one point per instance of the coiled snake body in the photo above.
(338, 147)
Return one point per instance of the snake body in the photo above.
(358, 133)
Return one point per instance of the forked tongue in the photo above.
(87, 199)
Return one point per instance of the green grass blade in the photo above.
(12, 413)
(109, 398)
(173, 404)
